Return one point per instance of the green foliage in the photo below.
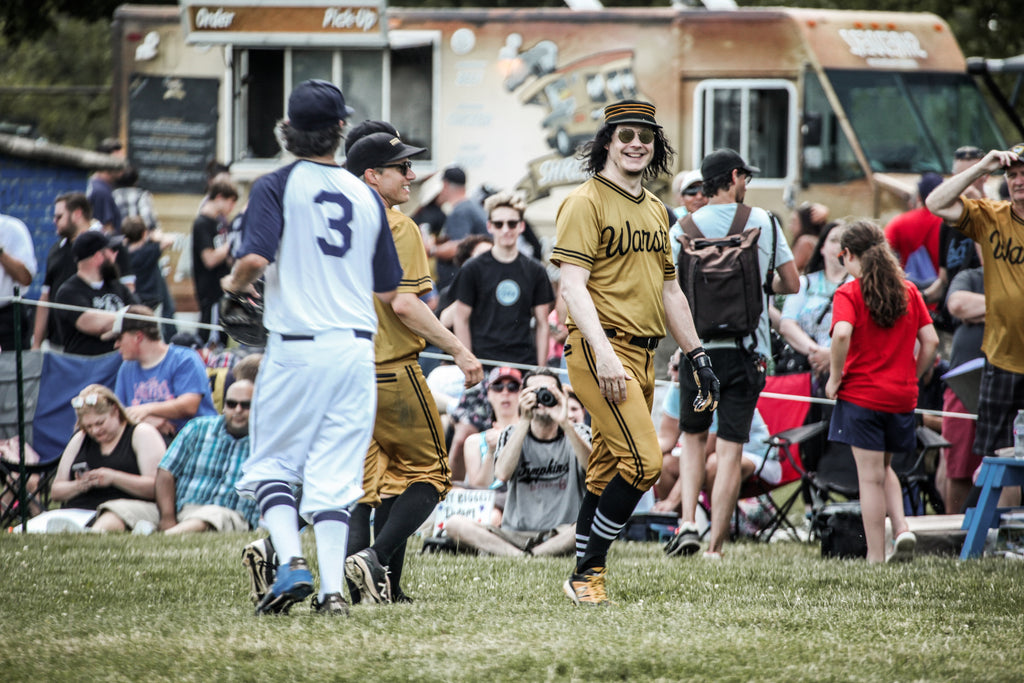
(91, 608)
(75, 52)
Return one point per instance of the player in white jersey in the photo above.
(322, 239)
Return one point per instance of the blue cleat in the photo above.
(294, 582)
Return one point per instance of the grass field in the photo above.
(131, 608)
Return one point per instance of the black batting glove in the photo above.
(707, 383)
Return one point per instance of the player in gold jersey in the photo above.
(407, 464)
(619, 284)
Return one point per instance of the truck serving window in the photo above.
(757, 118)
(395, 85)
(912, 122)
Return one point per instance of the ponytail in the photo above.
(881, 279)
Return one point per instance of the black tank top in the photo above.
(121, 458)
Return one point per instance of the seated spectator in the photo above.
(753, 462)
(503, 385)
(195, 485)
(106, 475)
(543, 457)
(163, 385)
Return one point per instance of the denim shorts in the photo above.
(873, 430)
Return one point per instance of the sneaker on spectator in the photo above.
(587, 588)
(293, 583)
(333, 605)
(685, 542)
(369, 575)
(261, 561)
(903, 548)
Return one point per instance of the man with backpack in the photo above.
(732, 257)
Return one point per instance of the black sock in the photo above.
(613, 510)
(407, 514)
(584, 520)
(358, 538)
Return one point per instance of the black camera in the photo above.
(546, 398)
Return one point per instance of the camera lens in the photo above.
(546, 398)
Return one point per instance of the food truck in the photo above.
(845, 108)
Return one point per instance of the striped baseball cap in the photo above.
(630, 111)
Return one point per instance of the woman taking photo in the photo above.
(876, 321)
(106, 476)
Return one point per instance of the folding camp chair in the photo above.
(785, 420)
(919, 490)
(38, 471)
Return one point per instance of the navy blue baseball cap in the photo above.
(315, 105)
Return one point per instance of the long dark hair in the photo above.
(881, 278)
(817, 261)
(594, 153)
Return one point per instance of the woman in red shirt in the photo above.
(877, 320)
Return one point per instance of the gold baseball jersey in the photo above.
(394, 340)
(623, 241)
(408, 443)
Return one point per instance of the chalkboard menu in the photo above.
(172, 131)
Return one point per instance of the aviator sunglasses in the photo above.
(228, 403)
(511, 386)
(626, 135)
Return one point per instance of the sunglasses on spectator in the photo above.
(404, 167)
(692, 191)
(626, 135)
(512, 387)
(511, 225)
(244, 405)
(87, 400)
(967, 154)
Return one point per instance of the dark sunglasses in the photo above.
(498, 387)
(404, 167)
(626, 135)
(692, 191)
(498, 225)
(228, 403)
(967, 154)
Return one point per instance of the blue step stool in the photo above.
(995, 474)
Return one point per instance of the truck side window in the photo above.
(757, 118)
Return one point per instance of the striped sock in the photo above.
(584, 521)
(613, 510)
(281, 517)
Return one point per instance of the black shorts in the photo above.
(1001, 396)
(741, 378)
(872, 430)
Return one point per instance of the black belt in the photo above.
(360, 334)
(649, 343)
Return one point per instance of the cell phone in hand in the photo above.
(79, 469)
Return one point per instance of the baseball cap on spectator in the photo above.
(928, 182)
(90, 242)
(378, 149)
(315, 105)
(361, 130)
(1018, 149)
(686, 179)
(723, 161)
(454, 175)
(501, 373)
(630, 111)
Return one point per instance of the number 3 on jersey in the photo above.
(340, 224)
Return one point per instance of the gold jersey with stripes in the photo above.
(394, 340)
(623, 241)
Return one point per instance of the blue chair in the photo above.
(994, 475)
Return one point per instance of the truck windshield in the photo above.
(912, 122)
